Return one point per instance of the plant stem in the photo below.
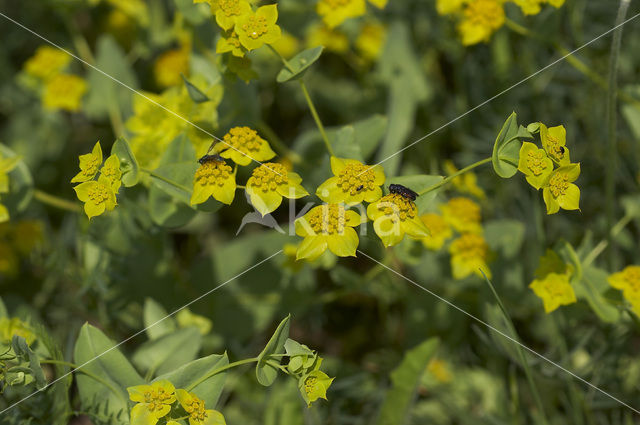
(219, 370)
(612, 148)
(166, 180)
(597, 250)
(448, 179)
(316, 117)
(76, 368)
(278, 144)
(56, 202)
(523, 359)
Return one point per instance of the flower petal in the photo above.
(311, 247)
(344, 245)
(571, 199)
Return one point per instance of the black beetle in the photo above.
(405, 192)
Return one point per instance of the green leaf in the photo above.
(97, 355)
(179, 150)
(631, 205)
(3, 310)
(506, 148)
(168, 211)
(22, 350)
(299, 64)
(505, 235)
(20, 183)
(189, 376)
(194, 14)
(176, 180)
(369, 132)
(265, 372)
(128, 162)
(156, 321)
(590, 288)
(168, 352)
(418, 183)
(343, 143)
(294, 348)
(194, 93)
(405, 379)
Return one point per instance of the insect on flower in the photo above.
(404, 191)
(207, 158)
(359, 188)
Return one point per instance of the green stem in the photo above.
(612, 148)
(597, 250)
(316, 117)
(89, 374)
(219, 370)
(454, 175)
(166, 180)
(523, 359)
(279, 144)
(56, 202)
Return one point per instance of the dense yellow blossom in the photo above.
(258, 28)
(335, 12)
(314, 386)
(440, 370)
(64, 91)
(371, 40)
(469, 254)
(186, 318)
(14, 326)
(269, 183)
(394, 216)
(228, 11)
(111, 170)
(198, 413)
(214, 178)
(554, 140)
(439, 231)
(465, 183)
(462, 214)
(328, 226)
(534, 164)
(332, 39)
(243, 145)
(554, 290)
(559, 190)
(98, 196)
(628, 280)
(229, 42)
(481, 19)
(380, 4)
(447, 7)
(169, 66)
(89, 165)
(47, 62)
(352, 182)
(533, 7)
(153, 402)
(287, 45)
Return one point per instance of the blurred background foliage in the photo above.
(60, 271)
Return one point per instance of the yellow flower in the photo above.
(89, 165)
(465, 183)
(534, 164)
(439, 231)
(259, 27)
(393, 216)
(64, 91)
(327, 226)
(332, 39)
(98, 196)
(111, 170)
(556, 3)
(314, 386)
(287, 45)
(463, 214)
(335, 12)
(6, 165)
(481, 19)
(9, 261)
(227, 11)
(554, 290)
(529, 7)
(186, 318)
(440, 370)
(136, 9)
(242, 145)
(352, 183)
(46, 62)
(371, 40)
(447, 7)
(554, 140)
(195, 408)
(380, 4)
(229, 42)
(214, 178)
(269, 183)
(153, 402)
(469, 254)
(627, 280)
(14, 326)
(169, 66)
(559, 190)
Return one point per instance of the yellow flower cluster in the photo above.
(155, 401)
(14, 326)
(59, 90)
(17, 240)
(245, 29)
(170, 66)
(538, 165)
(6, 165)
(98, 195)
(553, 283)
(479, 19)
(628, 280)
(335, 12)
(266, 187)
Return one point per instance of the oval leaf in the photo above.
(128, 162)
(266, 373)
(20, 183)
(168, 352)
(299, 64)
(506, 148)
